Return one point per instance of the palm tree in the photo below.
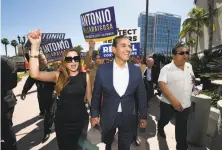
(186, 33)
(78, 48)
(14, 43)
(191, 43)
(5, 42)
(197, 19)
(212, 13)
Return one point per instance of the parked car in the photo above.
(21, 63)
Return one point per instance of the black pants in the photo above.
(42, 103)
(49, 115)
(149, 89)
(166, 113)
(8, 134)
(126, 132)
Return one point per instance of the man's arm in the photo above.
(88, 61)
(162, 84)
(97, 95)
(141, 98)
(28, 85)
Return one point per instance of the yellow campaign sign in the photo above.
(101, 39)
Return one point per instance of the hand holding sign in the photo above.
(35, 37)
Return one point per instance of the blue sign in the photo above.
(48, 37)
(99, 25)
(106, 50)
(53, 50)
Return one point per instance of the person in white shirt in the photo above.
(175, 81)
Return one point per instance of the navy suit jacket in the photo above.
(134, 96)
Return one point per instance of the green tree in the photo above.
(198, 18)
(212, 12)
(186, 33)
(78, 48)
(5, 42)
(14, 43)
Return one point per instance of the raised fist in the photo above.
(35, 37)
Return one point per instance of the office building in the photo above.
(163, 31)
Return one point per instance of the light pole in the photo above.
(22, 42)
(146, 30)
(168, 31)
(171, 47)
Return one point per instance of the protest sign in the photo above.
(132, 33)
(48, 37)
(99, 24)
(53, 50)
(106, 50)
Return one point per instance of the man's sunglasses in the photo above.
(182, 53)
(69, 59)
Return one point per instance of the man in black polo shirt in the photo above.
(45, 96)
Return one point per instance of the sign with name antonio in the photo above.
(53, 50)
(48, 37)
(99, 24)
(106, 50)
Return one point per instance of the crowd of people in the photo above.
(117, 91)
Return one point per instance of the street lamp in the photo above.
(146, 30)
(22, 42)
(168, 31)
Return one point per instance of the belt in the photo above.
(119, 113)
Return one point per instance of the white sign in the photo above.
(132, 33)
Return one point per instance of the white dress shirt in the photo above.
(148, 74)
(178, 82)
(120, 80)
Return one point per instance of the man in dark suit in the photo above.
(121, 85)
(150, 77)
(8, 102)
(45, 96)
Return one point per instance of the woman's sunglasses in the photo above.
(182, 53)
(69, 59)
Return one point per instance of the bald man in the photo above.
(150, 77)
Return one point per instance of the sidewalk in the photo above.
(29, 129)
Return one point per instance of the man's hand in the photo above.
(94, 121)
(177, 105)
(143, 123)
(23, 96)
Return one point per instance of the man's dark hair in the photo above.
(116, 39)
(178, 45)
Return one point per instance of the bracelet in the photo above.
(34, 56)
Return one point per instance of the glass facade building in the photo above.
(163, 31)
